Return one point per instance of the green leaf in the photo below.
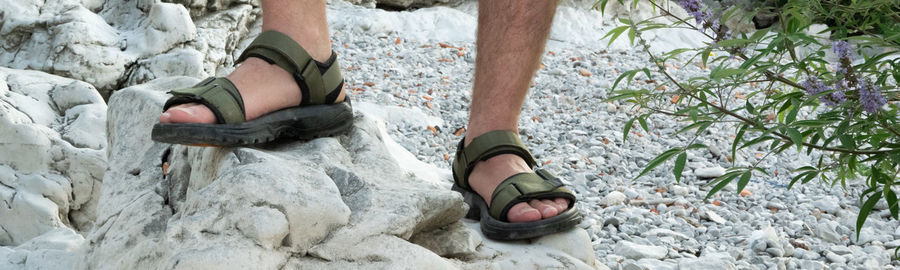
(696, 125)
(695, 146)
(796, 137)
(864, 212)
(723, 181)
(658, 160)
(797, 178)
(759, 34)
(601, 4)
(619, 97)
(733, 42)
(704, 55)
(643, 122)
(615, 32)
(750, 108)
(891, 199)
(647, 72)
(679, 166)
(745, 179)
(737, 140)
(726, 72)
(624, 75)
(792, 114)
(813, 123)
(627, 128)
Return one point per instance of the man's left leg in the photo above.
(511, 38)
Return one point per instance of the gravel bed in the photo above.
(649, 223)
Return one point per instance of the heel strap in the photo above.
(318, 82)
(486, 146)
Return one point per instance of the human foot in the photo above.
(489, 173)
(264, 88)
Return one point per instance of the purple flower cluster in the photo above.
(695, 8)
(870, 97)
(842, 49)
(814, 86)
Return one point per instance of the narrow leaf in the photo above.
(745, 179)
(658, 161)
(679, 166)
(627, 129)
(722, 183)
(864, 212)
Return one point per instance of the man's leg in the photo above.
(266, 88)
(511, 38)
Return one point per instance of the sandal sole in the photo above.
(300, 123)
(500, 230)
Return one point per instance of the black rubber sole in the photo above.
(301, 123)
(500, 230)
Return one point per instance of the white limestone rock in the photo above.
(52, 154)
(329, 203)
(709, 172)
(60, 248)
(708, 261)
(637, 251)
(113, 43)
(198, 8)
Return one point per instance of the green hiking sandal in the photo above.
(521, 187)
(316, 116)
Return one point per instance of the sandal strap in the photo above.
(218, 94)
(486, 146)
(524, 187)
(317, 81)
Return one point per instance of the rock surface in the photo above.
(52, 155)
(334, 203)
(113, 44)
(411, 69)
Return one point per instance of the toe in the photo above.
(553, 204)
(562, 204)
(545, 209)
(164, 117)
(522, 212)
(193, 113)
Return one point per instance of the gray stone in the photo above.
(812, 265)
(775, 252)
(707, 261)
(840, 250)
(451, 241)
(614, 198)
(828, 205)
(827, 233)
(636, 251)
(834, 258)
(709, 172)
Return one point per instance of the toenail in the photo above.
(166, 115)
(526, 210)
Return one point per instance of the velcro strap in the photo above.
(292, 56)
(486, 146)
(314, 83)
(524, 187)
(218, 94)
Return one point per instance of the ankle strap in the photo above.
(318, 82)
(486, 146)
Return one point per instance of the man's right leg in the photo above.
(264, 87)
